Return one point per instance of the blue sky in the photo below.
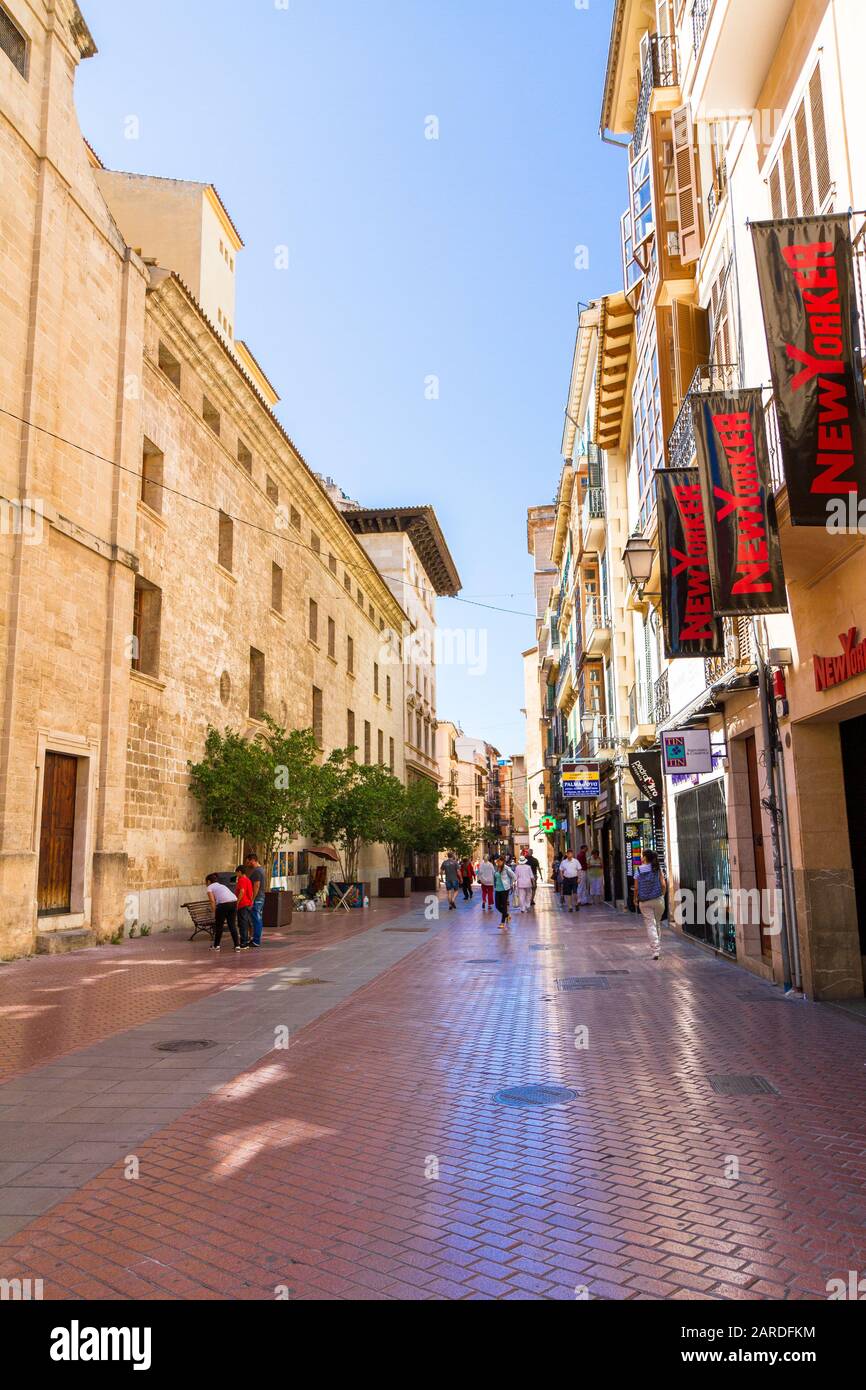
(408, 257)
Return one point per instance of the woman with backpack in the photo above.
(650, 886)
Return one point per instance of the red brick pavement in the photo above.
(314, 1171)
(52, 1005)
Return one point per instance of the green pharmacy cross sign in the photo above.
(548, 824)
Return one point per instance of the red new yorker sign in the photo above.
(833, 670)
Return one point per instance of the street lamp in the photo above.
(587, 724)
(638, 558)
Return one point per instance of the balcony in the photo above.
(681, 445)
(735, 42)
(740, 655)
(596, 628)
(716, 192)
(660, 70)
(603, 741)
(641, 711)
(565, 691)
(662, 699)
(592, 520)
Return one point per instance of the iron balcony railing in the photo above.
(700, 15)
(641, 705)
(603, 735)
(564, 669)
(593, 506)
(710, 377)
(596, 616)
(660, 70)
(739, 651)
(717, 190)
(662, 701)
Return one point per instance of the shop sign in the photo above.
(686, 751)
(646, 771)
(581, 781)
(806, 278)
(547, 824)
(834, 670)
(745, 556)
(689, 625)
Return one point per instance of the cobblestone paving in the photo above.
(370, 1160)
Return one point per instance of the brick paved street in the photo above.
(314, 1169)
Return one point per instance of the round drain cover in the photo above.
(535, 1095)
(184, 1045)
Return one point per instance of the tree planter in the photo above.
(425, 883)
(395, 887)
(359, 891)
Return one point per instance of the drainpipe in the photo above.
(773, 807)
(789, 877)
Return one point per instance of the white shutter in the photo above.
(686, 185)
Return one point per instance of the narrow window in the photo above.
(296, 518)
(272, 490)
(168, 363)
(332, 639)
(375, 678)
(257, 683)
(13, 43)
(391, 754)
(388, 690)
(350, 729)
(211, 416)
(381, 749)
(315, 543)
(367, 741)
(314, 620)
(276, 587)
(152, 470)
(317, 715)
(146, 617)
(347, 582)
(245, 458)
(350, 655)
(226, 541)
(332, 564)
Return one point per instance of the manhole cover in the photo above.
(534, 1095)
(406, 929)
(184, 1045)
(582, 982)
(613, 972)
(311, 981)
(743, 1086)
(547, 948)
(759, 997)
(483, 961)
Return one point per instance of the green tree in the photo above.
(265, 790)
(360, 806)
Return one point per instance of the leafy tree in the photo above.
(265, 790)
(359, 807)
(457, 832)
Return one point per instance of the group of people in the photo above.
(579, 878)
(500, 879)
(241, 908)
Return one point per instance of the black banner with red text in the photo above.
(806, 277)
(745, 557)
(689, 625)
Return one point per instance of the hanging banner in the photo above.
(745, 557)
(689, 625)
(646, 771)
(806, 277)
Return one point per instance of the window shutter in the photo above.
(691, 344)
(788, 170)
(776, 192)
(807, 199)
(686, 185)
(819, 135)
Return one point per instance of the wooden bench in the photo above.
(202, 917)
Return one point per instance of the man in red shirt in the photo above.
(244, 891)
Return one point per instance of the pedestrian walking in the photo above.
(256, 875)
(536, 874)
(583, 891)
(503, 882)
(650, 886)
(450, 871)
(569, 881)
(467, 878)
(224, 904)
(244, 891)
(486, 874)
(524, 880)
(557, 881)
(595, 874)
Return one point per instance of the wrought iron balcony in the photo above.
(603, 738)
(739, 651)
(662, 701)
(641, 707)
(660, 70)
(681, 445)
(592, 518)
(717, 191)
(700, 16)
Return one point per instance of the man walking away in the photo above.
(569, 881)
(650, 887)
(450, 871)
(244, 890)
(595, 873)
(486, 874)
(536, 875)
(503, 882)
(467, 878)
(523, 875)
(256, 876)
(224, 904)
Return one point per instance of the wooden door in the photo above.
(758, 839)
(57, 833)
